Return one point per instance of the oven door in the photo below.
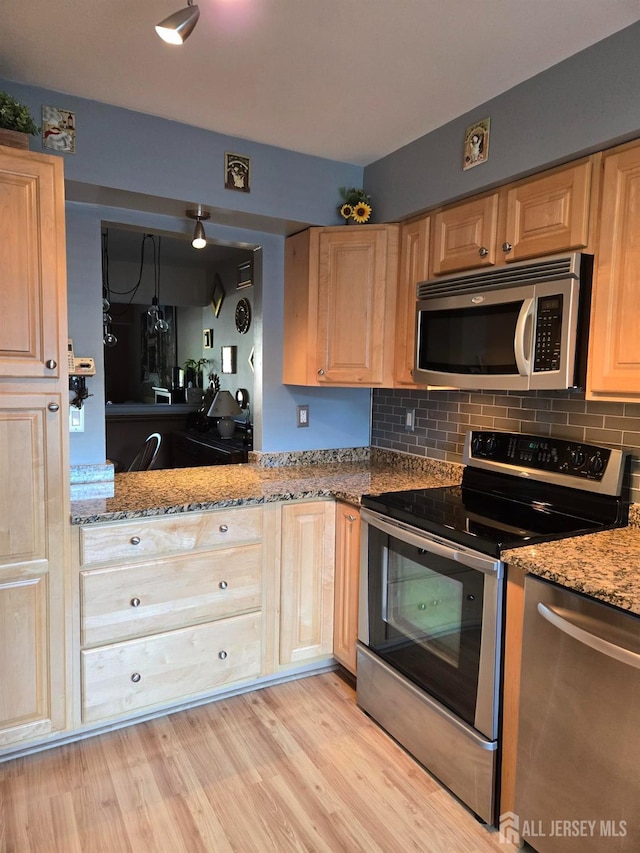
(433, 611)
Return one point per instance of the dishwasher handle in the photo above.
(593, 641)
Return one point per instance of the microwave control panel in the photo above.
(548, 342)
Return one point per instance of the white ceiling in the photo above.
(351, 80)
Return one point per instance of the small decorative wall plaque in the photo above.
(207, 338)
(59, 130)
(245, 275)
(217, 297)
(476, 144)
(237, 172)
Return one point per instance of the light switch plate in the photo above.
(76, 419)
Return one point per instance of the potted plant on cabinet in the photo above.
(16, 123)
(193, 378)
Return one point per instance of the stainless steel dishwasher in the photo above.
(578, 771)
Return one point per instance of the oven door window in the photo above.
(425, 619)
(478, 340)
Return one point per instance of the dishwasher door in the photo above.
(578, 770)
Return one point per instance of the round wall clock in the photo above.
(243, 316)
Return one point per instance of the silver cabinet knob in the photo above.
(222, 655)
(224, 528)
(483, 251)
(53, 407)
(135, 540)
(135, 602)
(351, 518)
(321, 372)
(506, 247)
(223, 584)
(51, 364)
(135, 677)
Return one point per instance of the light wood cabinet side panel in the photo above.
(511, 691)
(300, 307)
(413, 268)
(345, 628)
(614, 344)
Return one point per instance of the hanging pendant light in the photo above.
(199, 237)
(177, 28)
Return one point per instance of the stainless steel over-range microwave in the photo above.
(521, 327)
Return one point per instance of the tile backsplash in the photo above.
(443, 417)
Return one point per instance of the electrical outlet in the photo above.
(410, 420)
(302, 416)
(76, 419)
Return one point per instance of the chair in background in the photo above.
(145, 457)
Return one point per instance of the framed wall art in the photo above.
(245, 275)
(58, 130)
(217, 297)
(476, 144)
(237, 172)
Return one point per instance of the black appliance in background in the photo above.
(431, 592)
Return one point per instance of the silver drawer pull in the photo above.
(135, 677)
(223, 584)
(222, 655)
(51, 364)
(135, 602)
(506, 247)
(135, 540)
(351, 518)
(224, 528)
(53, 407)
(321, 372)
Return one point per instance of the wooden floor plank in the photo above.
(294, 767)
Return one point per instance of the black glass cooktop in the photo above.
(490, 522)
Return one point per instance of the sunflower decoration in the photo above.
(356, 205)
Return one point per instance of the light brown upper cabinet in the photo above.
(537, 216)
(614, 345)
(339, 305)
(414, 267)
(33, 264)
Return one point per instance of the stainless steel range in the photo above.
(431, 597)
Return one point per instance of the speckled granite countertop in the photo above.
(603, 565)
(163, 492)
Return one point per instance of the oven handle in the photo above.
(427, 543)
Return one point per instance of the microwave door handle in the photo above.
(522, 338)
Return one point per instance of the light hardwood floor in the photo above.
(296, 766)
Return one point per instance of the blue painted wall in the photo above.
(166, 164)
(584, 104)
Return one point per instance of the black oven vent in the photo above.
(552, 269)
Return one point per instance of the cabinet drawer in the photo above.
(141, 539)
(119, 604)
(137, 674)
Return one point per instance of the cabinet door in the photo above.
(345, 624)
(614, 345)
(414, 267)
(306, 583)
(465, 235)
(549, 214)
(357, 275)
(32, 262)
(34, 517)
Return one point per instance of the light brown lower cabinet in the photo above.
(345, 628)
(306, 581)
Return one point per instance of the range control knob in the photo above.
(476, 443)
(578, 458)
(596, 464)
(491, 444)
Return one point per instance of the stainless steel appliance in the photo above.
(521, 327)
(578, 771)
(431, 594)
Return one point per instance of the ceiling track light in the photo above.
(199, 237)
(177, 28)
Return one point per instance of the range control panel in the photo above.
(540, 453)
